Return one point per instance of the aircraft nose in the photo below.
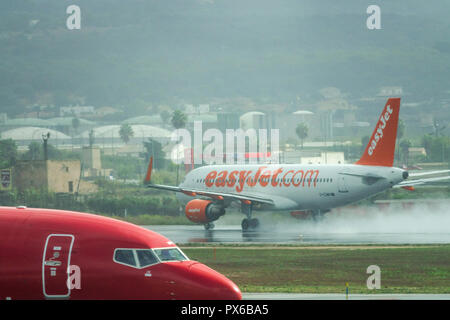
(213, 285)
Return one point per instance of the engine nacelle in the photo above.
(302, 214)
(203, 211)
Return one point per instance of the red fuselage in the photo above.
(55, 254)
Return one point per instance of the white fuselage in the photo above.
(293, 186)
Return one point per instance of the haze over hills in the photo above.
(134, 53)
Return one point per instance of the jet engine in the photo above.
(302, 214)
(203, 211)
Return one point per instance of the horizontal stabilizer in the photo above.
(428, 173)
(417, 182)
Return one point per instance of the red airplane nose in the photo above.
(213, 285)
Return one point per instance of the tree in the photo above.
(404, 147)
(302, 132)
(8, 153)
(437, 148)
(91, 138)
(124, 172)
(179, 119)
(427, 142)
(36, 152)
(400, 129)
(400, 133)
(154, 149)
(75, 124)
(126, 132)
(364, 143)
(165, 116)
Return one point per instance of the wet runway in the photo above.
(421, 225)
(233, 234)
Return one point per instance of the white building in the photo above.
(325, 158)
(76, 110)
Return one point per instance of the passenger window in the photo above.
(146, 258)
(125, 256)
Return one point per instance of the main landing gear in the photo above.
(249, 222)
(318, 215)
(208, 226)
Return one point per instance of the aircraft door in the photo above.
(56, 260)
(342, 184)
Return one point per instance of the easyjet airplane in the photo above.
(308, 189)
(55, 254)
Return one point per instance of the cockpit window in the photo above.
(141, 258)
(125, 256)
(170, 254)
(146, 258)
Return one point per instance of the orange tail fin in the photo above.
(148, 176)
(381, 147)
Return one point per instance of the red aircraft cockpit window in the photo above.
(170, 254)
(125, 256)
(146, 258)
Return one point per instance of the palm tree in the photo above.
(364, 142)
(165, 116)
(400, 133)
(75, 124)
(91, 138)
(126, 132)
(302, 131)
(179, 119)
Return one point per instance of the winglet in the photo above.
(149, 171)
(381, 147)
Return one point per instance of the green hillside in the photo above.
(132, 53)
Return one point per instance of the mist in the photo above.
(366, 224)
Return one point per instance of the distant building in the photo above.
(60, 176)
(253, 120)
(414, 151)
(200, 109)
(390, 92)
(76, 111)
(23, 136)
(228, 121)
(92, 163)
(324, 158)
(106, 111)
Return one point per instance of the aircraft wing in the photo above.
(210, 194)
